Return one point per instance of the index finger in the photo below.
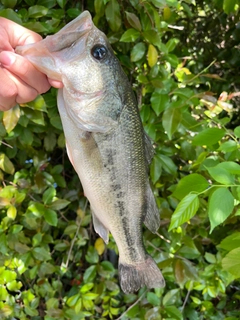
(17, 34)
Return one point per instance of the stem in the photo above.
(187, 296)
(134, 304)
(75, 237)
(163, 238)
(218, 185)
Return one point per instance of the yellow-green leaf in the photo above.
(10, 118)
(12, 212)
(99, 246)
(152, 55)
(5, 164)
(231, 262)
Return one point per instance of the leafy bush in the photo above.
(182, 59)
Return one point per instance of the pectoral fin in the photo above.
(100, 228)
(152, 217)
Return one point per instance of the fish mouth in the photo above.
(50, 54)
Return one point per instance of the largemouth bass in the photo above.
(105, 141)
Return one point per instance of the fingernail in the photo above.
(7, 58)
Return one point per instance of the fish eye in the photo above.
(99, 51)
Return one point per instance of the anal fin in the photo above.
(152, 217)
(100, 228)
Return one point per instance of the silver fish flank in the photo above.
(105, 141)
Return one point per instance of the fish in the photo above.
(105, 141)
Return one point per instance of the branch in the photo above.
(133, 305)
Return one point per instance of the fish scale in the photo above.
(105, 142)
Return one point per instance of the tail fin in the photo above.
(134, 276)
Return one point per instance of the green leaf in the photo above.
(228, 146)
(26, 137)
(73, 12)
(171, 119)
(113, 16)
(231, 242)
(87, 287)
(138, 51)
(90, 274)
(173, 312)
(133, 21)
(172, 59)
(37, 11)
(37, 104)
(155, 170)
(90, 296)
(59, 204)
(185, 210)
(153, 299)
(9, 3)
(221, 175)
(14, 285)
(229, 6)
(41, 254)
(99, 7)
(167, 164)
(237, 132)
(71, 302)
(159, 102)
(56, 122)
(37, 209)
(221, 205)
(50, 141)
(170, 297)
(92, 255)
(192, 183)
(232, 167)
(231, 262)
(171, 44)
(8, 276)
(10, 118)
(11, 15)
(208, 137)
(48, 195)
(153, 37)
(62, 3)
(50, 217)
(36, 26)
(130, 35)
(3, 293)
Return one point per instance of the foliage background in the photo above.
(183, 61)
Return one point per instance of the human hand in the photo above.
(20, 81)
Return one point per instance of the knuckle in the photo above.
(29, 95)
(23, 67)
(9, 93)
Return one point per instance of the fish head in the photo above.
(79, 55)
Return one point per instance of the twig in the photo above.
(187, 296)
(6, 144)
(75, 237)
(162, 237)
(152, 245)
(133, 305)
